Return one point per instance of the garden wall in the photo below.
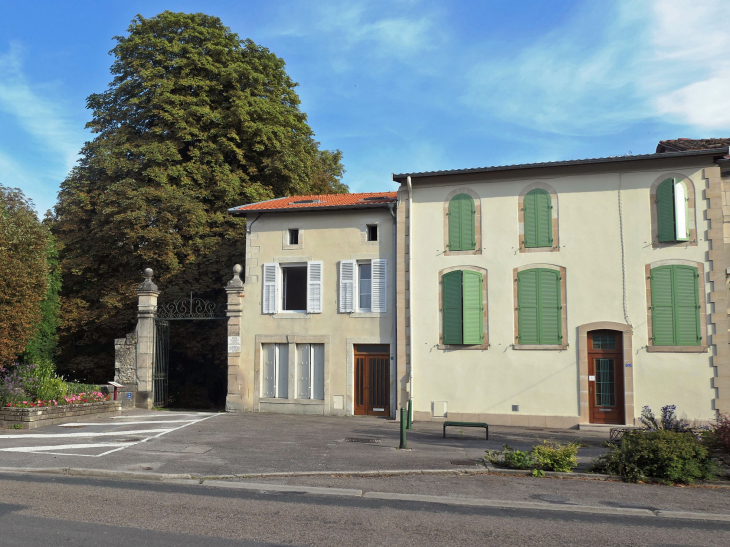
(32, 418)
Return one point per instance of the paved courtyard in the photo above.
(219, 444)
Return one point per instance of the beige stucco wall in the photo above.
(327, 236)
(545, 384)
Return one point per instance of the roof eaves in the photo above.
(380, 205)
(590, 161)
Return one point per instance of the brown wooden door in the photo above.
(605, 377)
(372, 384)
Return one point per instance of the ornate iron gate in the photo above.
(180, 310)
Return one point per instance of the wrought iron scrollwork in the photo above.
(190, 308)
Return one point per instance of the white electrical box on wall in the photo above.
(438, 408)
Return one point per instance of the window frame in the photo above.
(311, 370)
(359, 285)
(690, 211)
(277, 370)
(372, 229)
(282, 297)
(293, 232)
(554, 219)
(563, 309)
(477, 221)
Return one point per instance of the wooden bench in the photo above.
(467, 424)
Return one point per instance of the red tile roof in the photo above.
(682, 145)
(325, 201)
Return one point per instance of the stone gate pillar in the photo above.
(234, 290)
(147, 294)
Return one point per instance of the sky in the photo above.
(400, 85)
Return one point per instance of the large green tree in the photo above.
(24, 269)
(195, 121)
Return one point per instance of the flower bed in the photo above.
(81, 398)
(38, 416)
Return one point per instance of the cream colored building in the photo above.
(572, 298)
(317, 330)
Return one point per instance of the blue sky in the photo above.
(401, 85)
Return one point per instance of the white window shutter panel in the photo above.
(270, 286)
(379, 285)
(314, 287)
(347, 285)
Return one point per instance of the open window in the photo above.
(292, 288)
(363, 285)
(372, 232)
(462, 308)
(672, 211)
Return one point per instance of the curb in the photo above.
(188, 480)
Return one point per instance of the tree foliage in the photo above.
(24, 271)
(194, 122)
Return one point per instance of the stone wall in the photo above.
(31, 418)
(125, 360)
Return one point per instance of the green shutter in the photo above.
(538, 219)
(686, 306)
(549, 307)
(662, 309)
(455, 224)
(462, 223)
(527, 304)
(473, 310)
(468, 219)
(665, 211)
(452, 308)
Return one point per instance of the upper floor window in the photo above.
(372, 232)
(363, 285)
(675, 306)
(293, 236)
(538, 219)
(462, 223)
(672, 211)
(539, 307)
(462, 307)
(292, 287)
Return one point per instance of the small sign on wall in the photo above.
(129, 394)
(234, 344)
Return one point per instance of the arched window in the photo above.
(672, 211)
(462, 231)
(538, 219)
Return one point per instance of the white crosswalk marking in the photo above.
(61, 449)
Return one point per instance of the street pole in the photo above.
(403, 444)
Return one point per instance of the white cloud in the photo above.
(613, 65)
(36, 112)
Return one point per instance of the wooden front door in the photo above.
(605, 377)
(372, 384)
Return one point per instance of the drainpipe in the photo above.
(410, 287)
(394, 329)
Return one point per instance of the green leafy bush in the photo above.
(663, 455)
(548, 456)
(552, 456)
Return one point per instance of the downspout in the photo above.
(410, 290)
(249, 226)
(394, 329)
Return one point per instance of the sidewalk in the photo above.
(249, 443)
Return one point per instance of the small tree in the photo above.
(24, 244)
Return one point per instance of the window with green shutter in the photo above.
(537, 208)
(672, 211)
(538, 307)
(462, 230)
(675, 306)
(462, 307)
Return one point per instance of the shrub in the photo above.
(552, 456)
(663, 455)
(718, 438)
(667, 422)
(548, 456)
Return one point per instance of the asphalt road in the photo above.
(68, 510)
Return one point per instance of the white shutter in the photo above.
(282, 371)
(379, 285)
(314, 287)
(318, 371)
(680, 211)
(270, 281)
(269, 351)
(304, 372)
(347, 285)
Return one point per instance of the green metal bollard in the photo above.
(410, 415)
(403, 444)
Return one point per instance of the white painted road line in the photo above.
(162, 415)
(58, 447)
(75, 424)
(83, 434)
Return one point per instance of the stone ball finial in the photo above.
(237, 269)
(236, 284)
(147, 284)
(148, 273)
